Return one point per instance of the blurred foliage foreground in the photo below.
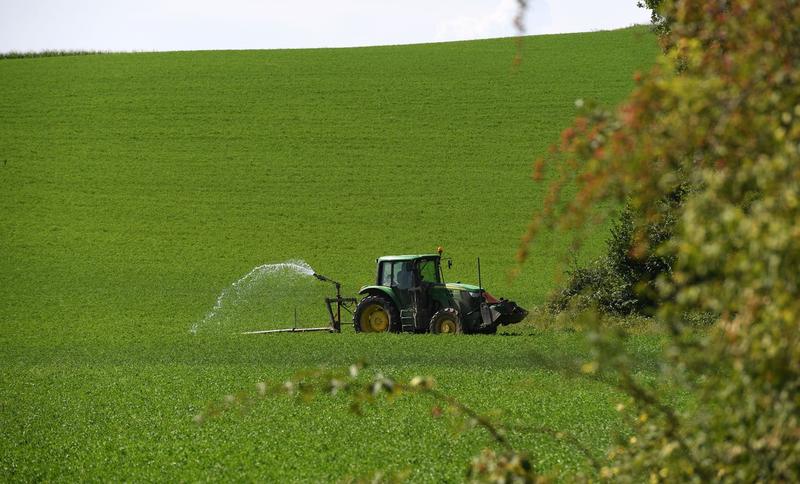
(720, 114)
(717, 119)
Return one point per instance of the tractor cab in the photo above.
(410, 295)
(412, 282)
(407, 272)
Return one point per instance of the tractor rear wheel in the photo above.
(375, 314)
(446, 321)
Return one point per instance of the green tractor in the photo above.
(410, 295)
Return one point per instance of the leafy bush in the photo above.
(594, 286)
(622, 281)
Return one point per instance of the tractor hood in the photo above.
(472, 289)
(457, 286)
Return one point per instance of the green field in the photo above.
(136, 187)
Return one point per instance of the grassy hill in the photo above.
(137, 186)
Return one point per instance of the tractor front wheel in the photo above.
(446, 321)
(375, 314)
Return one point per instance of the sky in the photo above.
(165, 25)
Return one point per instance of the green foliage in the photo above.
(723, 108)
(622, 282)
(658, 18)
(137, 186)
(595, 285)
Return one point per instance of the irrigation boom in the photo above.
(335, 317)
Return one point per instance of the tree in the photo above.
(659, 21)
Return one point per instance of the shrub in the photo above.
(622, 281)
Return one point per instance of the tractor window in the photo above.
(385, 276)
(427, 270)
(403, 275)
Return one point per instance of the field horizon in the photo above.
(16, 54)
(140, 186)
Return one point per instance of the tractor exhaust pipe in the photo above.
(480, 285)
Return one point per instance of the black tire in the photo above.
(376, 314)
(446, 321)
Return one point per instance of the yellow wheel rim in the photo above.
(374, 319)
(448, 326)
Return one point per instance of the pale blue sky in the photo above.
(27, 25)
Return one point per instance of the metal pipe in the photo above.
(480, 285)
(325, 279)
(336, 325)
(289, 330)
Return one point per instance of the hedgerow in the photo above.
(46, 53)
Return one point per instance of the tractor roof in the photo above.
(407, 257)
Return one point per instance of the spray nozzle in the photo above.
(325, 279)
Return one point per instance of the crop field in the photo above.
(138, 187)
